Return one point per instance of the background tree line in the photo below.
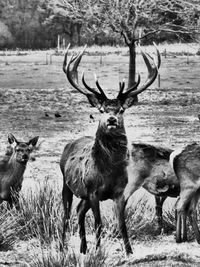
(36, 24)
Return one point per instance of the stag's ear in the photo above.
(32, 143)
(12, 140)
(94, 101)
(130, 101)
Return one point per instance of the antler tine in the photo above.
(129, 90)
(65, 59)
(158, 55)
(72, 74)
(121, 89)
(98, 86)
(77, 59)
(87, 86)
(152, 72)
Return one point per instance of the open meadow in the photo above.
(32, 91)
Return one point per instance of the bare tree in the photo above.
(134, 20)
(139, 19)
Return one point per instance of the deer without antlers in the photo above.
(186, 164)
(152, 170)
(12, 168)
(95, 169)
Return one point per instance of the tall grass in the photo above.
(41, 218)
(41, 212)
(10, 228)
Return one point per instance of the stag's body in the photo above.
(96, 169)
(12, 168)
(186, 164)
(87, 158)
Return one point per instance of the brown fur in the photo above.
(96, 169)
(149, 167)
(12, 168)
(187, 168)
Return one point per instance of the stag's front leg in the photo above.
(83, 207)
(120, 210)
(94, 202)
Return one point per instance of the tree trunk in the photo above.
(58, 43)
(132, 66)
(78, 28)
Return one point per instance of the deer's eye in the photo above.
(101, 110)
(121, 110)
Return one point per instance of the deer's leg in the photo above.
(193, 218)
(94, 202)
(120, 204)
(83, 207)
(181, 209)
(133, 184)
(184, 227)
(67, 197)
(159, 212)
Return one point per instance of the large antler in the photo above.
(72, 75)
(152, 74)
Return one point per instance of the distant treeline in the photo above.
(36, 24)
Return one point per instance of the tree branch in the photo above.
(126, 39)
(147, 34)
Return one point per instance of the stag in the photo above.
(95, 169)
(12, 168)
(186, 164)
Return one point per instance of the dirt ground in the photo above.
(31, 92)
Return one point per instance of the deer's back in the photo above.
(187, 164)
(153, 164)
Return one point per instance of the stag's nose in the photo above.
(112, 121)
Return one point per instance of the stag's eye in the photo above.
(121, 110)
(101, 110)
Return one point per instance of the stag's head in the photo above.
(21, 150)
(111, 109)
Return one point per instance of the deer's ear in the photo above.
(12, 140)
(94, 101)
(32, 142)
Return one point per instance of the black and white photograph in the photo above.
(99, 133)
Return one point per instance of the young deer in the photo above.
(95, 169)
(159, 179)
(186, 164)
(12, 168)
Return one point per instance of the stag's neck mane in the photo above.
(110, 148)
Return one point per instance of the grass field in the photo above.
(167, 116)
